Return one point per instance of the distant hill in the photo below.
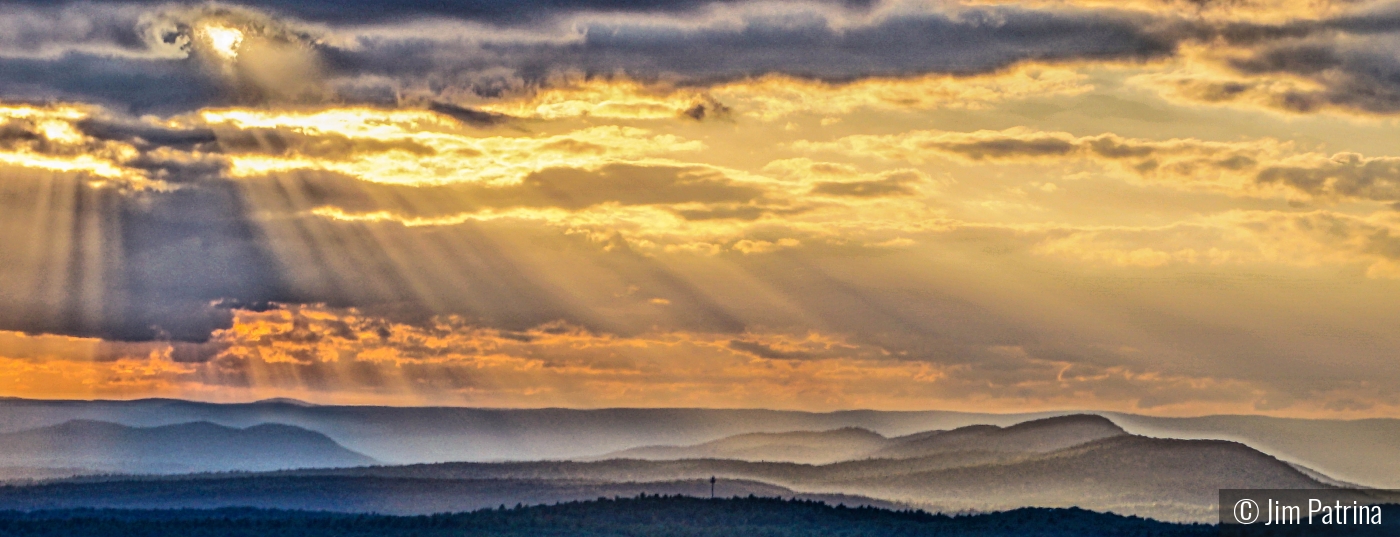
(403, 435)
(808, 447)
(186, 447)
(1166, 479)
(366, 494)
(966, 469)
(1365, 451)
(284, 401)
(1368, 453)
(974, 443)
(1036, 436)
(649, 515)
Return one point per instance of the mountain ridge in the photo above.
(102, 446)
(1165, 479)
(410, 435)
(851, 443)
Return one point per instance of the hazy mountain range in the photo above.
(823, 447)
(366, 494)
(84, 446)
(288, 454)
(1077, 460)
(397, 435)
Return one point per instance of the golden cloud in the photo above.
(48, 138)
(1300, 239)
(1257, 168)
(343, 355)
(773, 97)
(1313, 72)
(1202, 77)
(414, 147)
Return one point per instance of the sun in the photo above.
(224, 41)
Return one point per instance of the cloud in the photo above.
(1273, 12)
(273, 58)
(416, 147)
(1260, 238)
(1262, 168)
(233, 208)
(95, 261)
(898, 183)
(1341, 62)
(107, 149)
(377, 11)
(642, 204)
(774, 59)
(331, 205)
(470, 116)
(1343, 175)
(567, 188)
(1299, 79)
(800, 43)
(327, 354)
(1357, 77)
(344, 355)
(774, 97)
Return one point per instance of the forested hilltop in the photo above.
(640, 516)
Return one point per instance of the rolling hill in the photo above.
(1015, 467)
(968, 444)
(366, 494)
(621, 517)
(1035, 436)
(807, 447)
(404, 435)
(94, 446)
(1370, 456)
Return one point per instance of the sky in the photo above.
(1155, 206)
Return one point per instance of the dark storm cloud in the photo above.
(147, 136)
(127, 54)
(470, 116)
(971, 41)
(1350, 56)
(1361, 76)
(810, 39)
(494, 11)
(132, 85)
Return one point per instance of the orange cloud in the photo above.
(339, 355)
